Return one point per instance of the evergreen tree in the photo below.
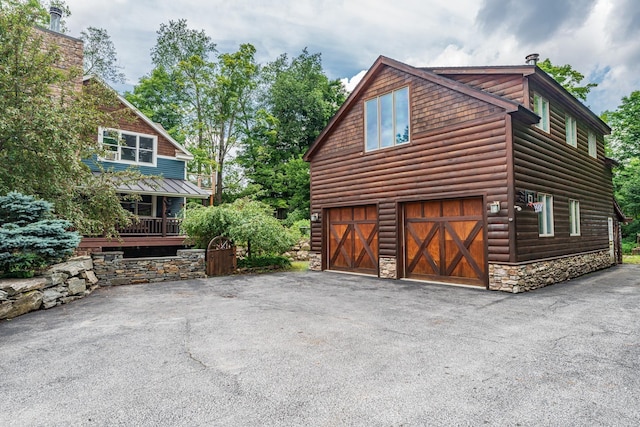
(30, 237)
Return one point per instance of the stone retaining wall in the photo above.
(61, 284)
(112, 269)
(527, 277)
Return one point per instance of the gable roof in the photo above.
(186, 155)
(382, 61)
(539, 76)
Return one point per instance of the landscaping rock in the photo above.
(27, 302)
(17, 286)
(76, 286)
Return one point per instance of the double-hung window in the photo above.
(128, 147)
(571, 131)
(387, 120)
(545, 217)
(593, 152)
(541, 108)
(574, 217)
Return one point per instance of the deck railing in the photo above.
(153, 227)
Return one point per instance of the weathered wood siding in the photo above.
(458, 147)
(544, 162)
(510, 86)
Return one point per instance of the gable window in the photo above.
(571, 131)
(128, 147)
(387, 120)
(541, 108)
(574, 217)
(592, 145)
(545, 217)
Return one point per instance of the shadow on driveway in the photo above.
(329, 349)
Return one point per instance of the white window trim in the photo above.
(571, 130)
(118, 156)
(574, 217)
(379, 120)
(538, 101)
(542, 216)
(593, 145)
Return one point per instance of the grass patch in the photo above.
(631, 259)
(299, 266)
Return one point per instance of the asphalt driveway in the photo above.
(328, 349)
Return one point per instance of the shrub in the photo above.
(627, 247)
(264, 261)
(30, 238)
(248, 222)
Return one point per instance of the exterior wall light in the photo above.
(315, 217)
(495, 207)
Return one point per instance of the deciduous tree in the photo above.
(48, 126)
(298, 100)
(100, 57)
(569, 78)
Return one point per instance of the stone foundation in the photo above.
(527, 277)
(112, 269)
(315, 261)
(388, 268)
(61, 284)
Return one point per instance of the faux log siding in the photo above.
(506, 85)
(467, 159)
(546, 163)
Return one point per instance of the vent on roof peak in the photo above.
(56, 15)
(532, 59)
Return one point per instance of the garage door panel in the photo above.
(353, 239)
(448, 246)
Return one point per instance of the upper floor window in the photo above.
(387, 120)
(574, 217)
(571, 131)
(541, 108)
(545, 217)
(128, 147)
(593, 152)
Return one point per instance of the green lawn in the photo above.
(631, 259)
(299, 266)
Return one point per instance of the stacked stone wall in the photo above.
(388, 268)
(112, 269)
(527, 277)
(61, 284)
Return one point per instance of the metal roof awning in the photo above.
(164, 187)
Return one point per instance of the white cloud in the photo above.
(351, 34)
(351, 83)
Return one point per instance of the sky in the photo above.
(599, 38)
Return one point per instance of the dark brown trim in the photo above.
(90, 242)
(511, 192)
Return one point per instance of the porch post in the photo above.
(164, 216)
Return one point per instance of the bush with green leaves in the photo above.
(30, 237)
(247, 222)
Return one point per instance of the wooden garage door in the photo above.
(444, 241)
(353, 239)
